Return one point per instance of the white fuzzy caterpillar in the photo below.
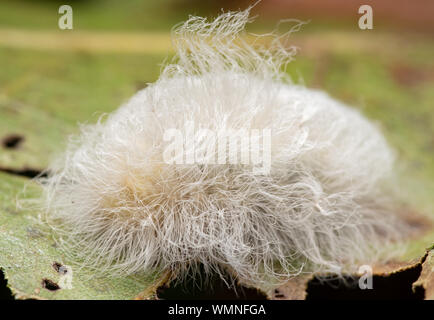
(120, 207)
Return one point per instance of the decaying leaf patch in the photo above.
(426, 279)
(396, 280)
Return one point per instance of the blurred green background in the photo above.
(51, 79)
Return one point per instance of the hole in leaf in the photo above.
(50, 285)
(58, 267)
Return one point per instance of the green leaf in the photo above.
(28, 254)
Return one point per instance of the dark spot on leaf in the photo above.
(25, 172)
(50, 285)
(58, 267)
(12, 141)
(278, 294)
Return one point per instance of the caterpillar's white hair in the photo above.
(120, 207)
